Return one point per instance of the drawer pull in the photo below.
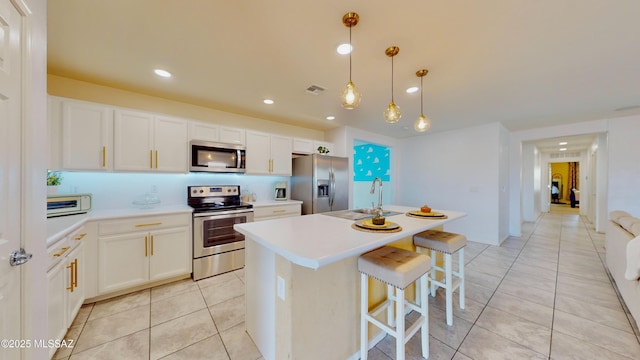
(104, 156)
(80, 236)
(151, 245)
(279, 211)
(156, 159)
(149, 224)
(150, 159)
(146, 244)
(63, 251)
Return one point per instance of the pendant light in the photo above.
(350, 95)
(423, 123)
(392, 113)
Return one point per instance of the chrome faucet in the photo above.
(373, 190)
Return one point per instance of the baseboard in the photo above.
(372, 342)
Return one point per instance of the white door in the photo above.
(10, 172)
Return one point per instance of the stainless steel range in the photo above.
(217, 247)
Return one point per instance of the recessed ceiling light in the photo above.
(330, 117)
(268, 101)
(163, 73)
(563, 143)
(563, 149)
(344, 49)
(412, 90)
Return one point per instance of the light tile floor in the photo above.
(545, 295)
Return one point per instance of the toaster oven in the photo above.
(61, 205)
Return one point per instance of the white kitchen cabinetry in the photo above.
(204, 132)
(302, 146)
(65, 284)
(232, 136)
(136, 251)
(147, 142)
(268, 154)
(276, 211)
(87, 136)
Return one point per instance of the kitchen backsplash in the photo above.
(119, 190)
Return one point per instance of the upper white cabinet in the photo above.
(80, 135)
(268, 154)
(147, 142)
(308, 146)
(203, 131)
(302, 146)
(232, 136)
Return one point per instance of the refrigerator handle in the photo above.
(332, 187)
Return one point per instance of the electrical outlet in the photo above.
(280, 288)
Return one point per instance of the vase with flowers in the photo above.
(54, 179)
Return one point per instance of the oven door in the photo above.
(213, 233)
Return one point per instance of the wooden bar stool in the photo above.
(397, 268)
(447, 243)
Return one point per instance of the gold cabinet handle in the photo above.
(80, 236)
(149, 224)
(104, 156)
(150, 159)
(156, 159)
(65, 248)
(146, 244)
(75, 273)
(279, 211)
(151, 245)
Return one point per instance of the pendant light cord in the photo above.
(421, 96)
(392, 79)
(350, 51)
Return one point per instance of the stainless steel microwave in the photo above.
(60, 205)
(216, 157)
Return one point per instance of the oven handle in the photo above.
(224, 213)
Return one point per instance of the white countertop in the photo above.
(58, 227)
(317, 240)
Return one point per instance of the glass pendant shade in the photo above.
(350, 96)
(392, 113)
(422, 124)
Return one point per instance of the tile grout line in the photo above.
(537, 222)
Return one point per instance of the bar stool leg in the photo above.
(449, 288)
(461, 272)
(433, 274)
(424, 307)
(364, 309)
(390, 296)
(400, 324)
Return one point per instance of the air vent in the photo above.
(565, 155)
(315, 89)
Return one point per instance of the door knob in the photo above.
(19, 257)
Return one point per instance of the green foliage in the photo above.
(323, 150)
(53, 178)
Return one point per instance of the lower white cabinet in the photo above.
(276, 211)
(140, 250)
(65, 290)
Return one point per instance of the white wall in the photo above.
(530, 182)
(624, 165)
(457, 170)
(516, 164)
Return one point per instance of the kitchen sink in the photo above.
(359, 214)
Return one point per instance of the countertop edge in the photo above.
(59, 227)
(316, 263)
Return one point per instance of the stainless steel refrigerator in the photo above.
(321, 182)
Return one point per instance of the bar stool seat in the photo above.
(447, 243)
(398, 268)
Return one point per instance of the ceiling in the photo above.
(526, 64)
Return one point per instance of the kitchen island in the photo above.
(302, 284)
